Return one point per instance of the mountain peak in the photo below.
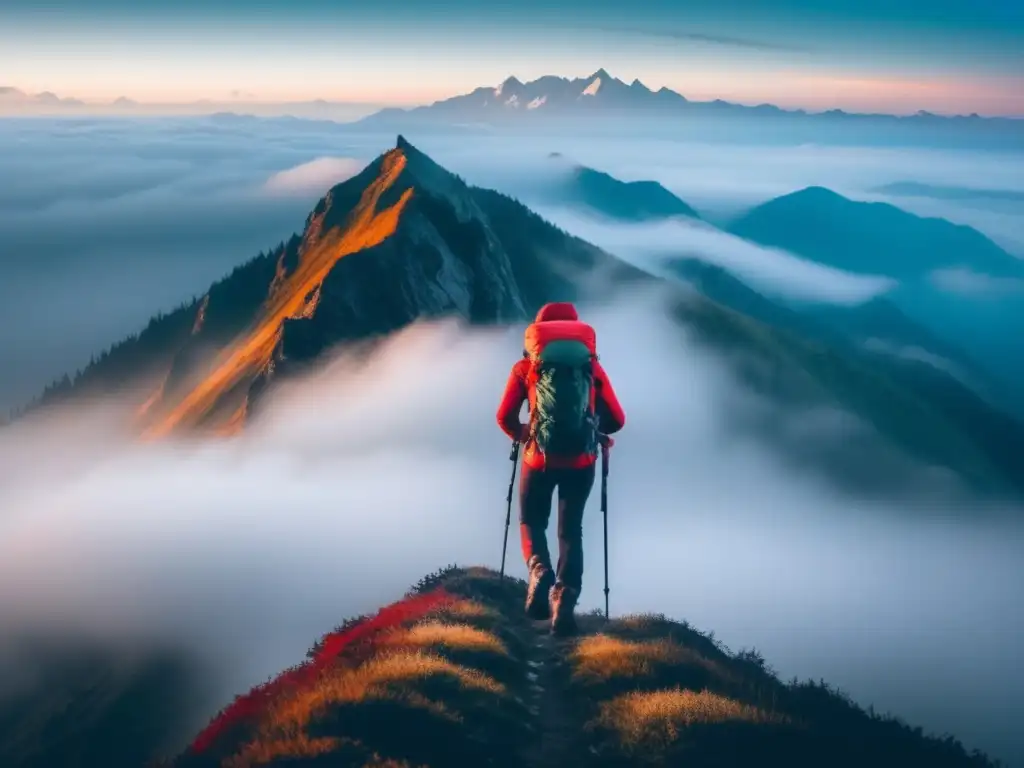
(869, 237)
(816, 192)
(602, 74)
(510, 83)
(631, 201)
(403, 239)
(422, 172)
(356, 215)
(414, 158)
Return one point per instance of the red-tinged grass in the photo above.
(248, 708)
(372, 679)
(389, 677)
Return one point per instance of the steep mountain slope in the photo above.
(167, 341)
(876, 324)
(456, 675)
(925, 408)
(403, 240)
(954, 282)
(870, 238)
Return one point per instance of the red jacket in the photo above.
(606, 405)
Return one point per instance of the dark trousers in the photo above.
(536, 487)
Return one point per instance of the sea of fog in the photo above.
(359, 479)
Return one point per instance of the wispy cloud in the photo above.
(313, 178)
(699, 37)
(970, 283)
(769, 270)
(917, 355)
(949, 192)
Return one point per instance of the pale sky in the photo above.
(947, 56)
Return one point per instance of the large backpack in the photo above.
(561, 376)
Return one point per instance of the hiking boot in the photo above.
(541, 580)
(563, 603)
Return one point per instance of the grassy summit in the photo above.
(455, 675)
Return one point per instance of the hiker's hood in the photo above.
(558, 310)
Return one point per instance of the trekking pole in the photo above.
(514, 458)
(604, 511)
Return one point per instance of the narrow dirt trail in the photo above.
(559, 738)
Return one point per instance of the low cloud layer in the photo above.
(770, 270)
(358, 480)
(723, 179)
(313, 178)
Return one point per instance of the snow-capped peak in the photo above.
(593, 88)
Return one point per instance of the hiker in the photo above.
(572, 408)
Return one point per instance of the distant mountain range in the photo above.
(601, 95)
(11, 98)
(601, 91)
(18, 103)
(406, 240)
(604, 101)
